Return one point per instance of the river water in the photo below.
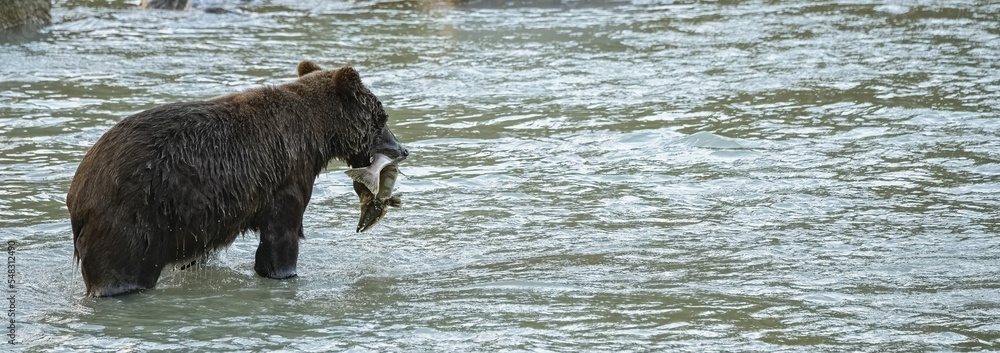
(601, 176)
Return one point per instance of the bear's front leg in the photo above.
(277, 254)
(278, 251)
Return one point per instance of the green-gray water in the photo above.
(585, 176)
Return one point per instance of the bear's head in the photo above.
(363, 131)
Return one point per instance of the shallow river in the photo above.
(585, 176)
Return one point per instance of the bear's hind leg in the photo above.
(103, 281)
(113, 268)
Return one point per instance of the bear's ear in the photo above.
(348, 81)
(306, 67)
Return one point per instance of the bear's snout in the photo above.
(390, 146)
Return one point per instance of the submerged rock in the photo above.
(166, 4)
(24, 14)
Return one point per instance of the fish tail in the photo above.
(362, 175)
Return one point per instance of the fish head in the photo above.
(375, 206)
(371, 213)
(372, 209)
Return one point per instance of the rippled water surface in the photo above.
(586, 176)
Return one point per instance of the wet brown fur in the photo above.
(178, 181)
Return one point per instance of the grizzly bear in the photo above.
(176, 182)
